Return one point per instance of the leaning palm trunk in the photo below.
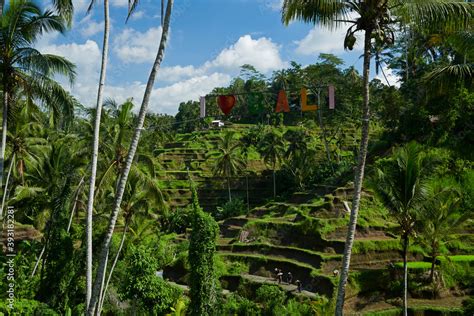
(76, 196)
(405, 275)
(38, 261)
(4, 135)
(359, 178)
(104, 290)
(95, 153)
(128, 163)
(5, 191)
(228, 189)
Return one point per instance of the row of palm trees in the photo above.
(232, 153)
(378, 21)
(425, 207)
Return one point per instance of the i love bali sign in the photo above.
(227, 102)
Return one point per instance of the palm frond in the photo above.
(327, 13)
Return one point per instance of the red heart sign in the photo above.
(226, 103)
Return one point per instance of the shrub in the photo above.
(295, 308)
(232, 208)
(238, 305)
(468, 306)
(141, 284)
(270, 296)
(26, 307)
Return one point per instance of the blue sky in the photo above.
(210, 40)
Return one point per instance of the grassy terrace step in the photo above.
(312, 258)
(254, 282)
(264, 266)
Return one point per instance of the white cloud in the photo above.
(323, 40)
(390, 78)
(275, 5)
(137, 15)
(261, 53)
(176, 83)
(91, 28)
(132, 46)
(120, 3)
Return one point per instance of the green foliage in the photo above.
(238, 305)
(233, 208)
(271, 297)
(458, 273)
(27, 307)
(203, 281)
(468, 306)
(141, 284)
(295, 307)
(179, 220)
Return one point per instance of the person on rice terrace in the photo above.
(280, 276)
(299, 286)
(289, 278)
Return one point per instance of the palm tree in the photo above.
(272, 148)
(441, 217)
(376, 19)
(401, 184)
(26, 144)
(460, 65)
(95, 150)
(130, 157)
(142, 195)
(25, 68)
(229, 161)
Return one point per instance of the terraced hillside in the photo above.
(187, 155)
(194, 154)
(305, 236)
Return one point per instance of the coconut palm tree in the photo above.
(229, 163)
(26, 147)
(95, 149)
(142, 195)
(272, 149)
(401, 185)
(441, 217)
(24, 68)
(377, 19)
(130, 157)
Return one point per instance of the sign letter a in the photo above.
(304, 102)
(282, 102)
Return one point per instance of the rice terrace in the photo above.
(236, 157)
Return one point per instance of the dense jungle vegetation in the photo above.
(206, 214)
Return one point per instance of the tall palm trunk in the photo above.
(274, 184)
(433, 266)
(247, 185)
(104, 290)
(95, 153)
(5, 191)
(4, 135)
(405, 275)
(2, 5)
(128, 163)
(38, 261)
(358, 180)
(228, 189)
(76, 195)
